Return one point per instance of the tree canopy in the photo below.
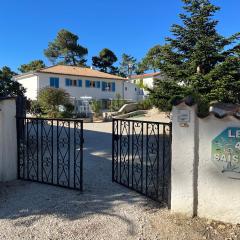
(128, 65)
(152, 60)
(32, 66)
(9, 87)
(197, 60)
(65, 49)
(51, 98)
(104, 62)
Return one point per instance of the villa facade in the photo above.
(79, 82)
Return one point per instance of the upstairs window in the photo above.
(73, 83)
(54, 82)
(108, 87)
(93, 84)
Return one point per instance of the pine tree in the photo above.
(128, 65)
(104, 62)
(66, 50)
(197, 60)
(32, 66)
(9, 87)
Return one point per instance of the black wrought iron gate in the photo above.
(142, 157)
(51, 151)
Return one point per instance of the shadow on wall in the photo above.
(27, 201)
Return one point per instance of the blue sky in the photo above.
(124, 26)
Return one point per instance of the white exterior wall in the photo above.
(183, 157)
(131, 91)
(147, 81)
(199, 187)
(30, 83)
(218, 195)
(78, 92)
(34, 84)
(8, 140)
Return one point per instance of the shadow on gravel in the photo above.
(27, 202)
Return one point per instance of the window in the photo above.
(54, 82)
(108, 87)
(93, 84)
(73, 83)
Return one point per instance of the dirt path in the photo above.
(104, 211)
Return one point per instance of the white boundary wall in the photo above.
(8, 140)
(198, 186)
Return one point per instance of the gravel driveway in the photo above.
(105, 210)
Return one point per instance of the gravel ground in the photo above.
(105, 210)
(154, 115)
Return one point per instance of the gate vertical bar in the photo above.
(24, 147)
(113, 149)
(81, 162)
(158, 159)
(132, 152)
(52, 164)
(74, 154)
(120, 160)
(142, 143)
(147, 141)
(42, 145)
(57, 152)
(27, 149)
(170, 167)
(37, 151)
(163, 163)
(69, 152)
(129, 149)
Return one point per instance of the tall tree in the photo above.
(32, 66)
(104, 61)
(128, 65)
(195, 60)
(152, 60)
(9, 87)
(66, 50)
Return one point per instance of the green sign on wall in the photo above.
(226, 152)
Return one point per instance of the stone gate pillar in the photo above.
(8, 140)
(184, 160)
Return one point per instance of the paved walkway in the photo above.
(105, 210)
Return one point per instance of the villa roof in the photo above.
(75, 71)
(146, 75)
(78, 71)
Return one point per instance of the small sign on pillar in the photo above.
(183, 117)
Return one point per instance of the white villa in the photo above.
(146, 80)
(79, 82)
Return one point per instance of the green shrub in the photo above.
(51, 98)
(96, 107)
(33, 107)
(145, 104)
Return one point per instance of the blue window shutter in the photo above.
(98, 84)
(56, 82)
(87, 83)
(80, 83)
(52, 82)
(113, 86)
(103, 86)
(67, 82)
